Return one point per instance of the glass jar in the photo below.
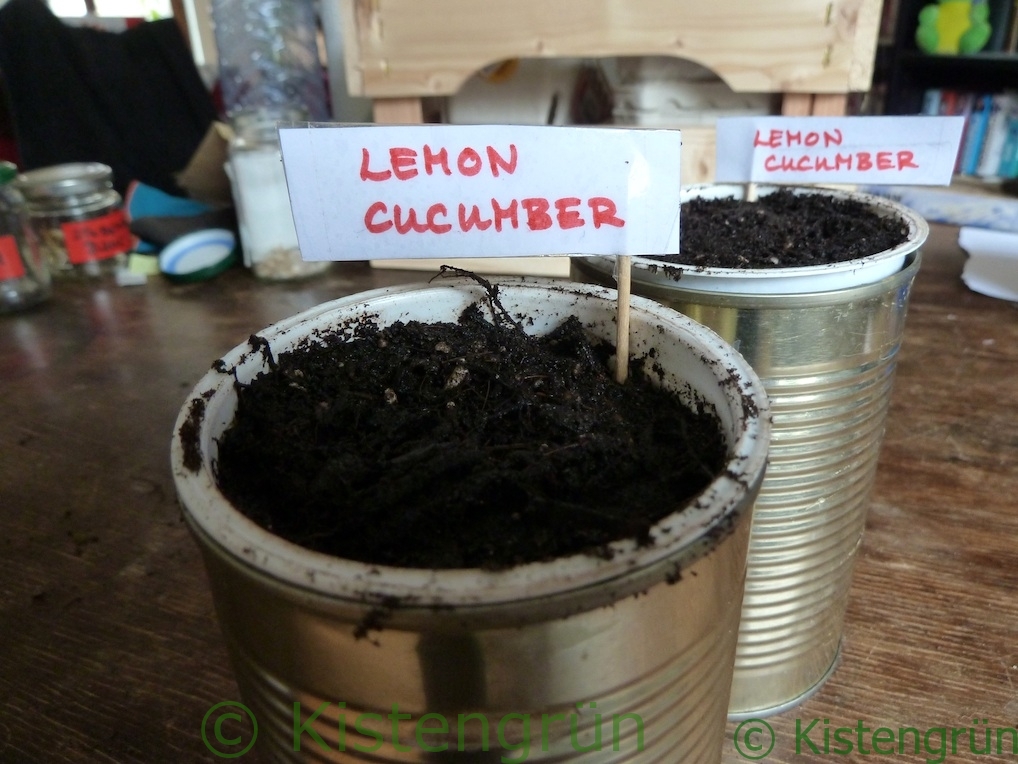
(24, 276)
(268, 237)
(77, 218)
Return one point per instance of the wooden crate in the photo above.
(415, 48)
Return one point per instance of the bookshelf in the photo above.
(915, 72)
(982, 87)
(909, 72)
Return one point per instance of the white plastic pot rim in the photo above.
(687, 532)
(798, 280)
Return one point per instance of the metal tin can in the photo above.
(24, 275)
(551, 661)
(826, 356)
(76, 218)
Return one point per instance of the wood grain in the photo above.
(398, 111)
(797, 104)
(830, 104)
(408, 48)
(109, 644)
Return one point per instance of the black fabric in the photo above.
(133, 100)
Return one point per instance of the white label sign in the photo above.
(447, 191)
(875, 150)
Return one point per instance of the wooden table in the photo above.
(109, 646)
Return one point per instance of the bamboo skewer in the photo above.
(624, 266)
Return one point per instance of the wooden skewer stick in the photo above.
(751, 194)
(624, 266)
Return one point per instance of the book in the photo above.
(1011, 41)
(947, 101)
(1009, 153)
(1000, 20)
(931, 102)
(888, 19)
(1002, 106)
(957, 104)
(975, 133)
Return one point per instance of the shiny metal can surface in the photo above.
(579, 659)
(826, 358)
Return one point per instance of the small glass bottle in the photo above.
(260, 196)
(24, 276)
(77, 218)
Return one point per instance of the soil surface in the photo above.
(462, 445)
(782, 230)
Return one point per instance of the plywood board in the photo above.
(698, 155)
(399, 48)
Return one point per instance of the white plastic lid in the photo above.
(198, 255)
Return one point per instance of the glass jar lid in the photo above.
(64, 180)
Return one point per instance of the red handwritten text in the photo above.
(533, 212)
(406, 163)
(860, 161)
(775, 139)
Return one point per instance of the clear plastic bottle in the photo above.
(76, 217)
(24, 276)
(260, 195)
(268, 56)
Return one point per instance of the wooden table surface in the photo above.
(109, 646)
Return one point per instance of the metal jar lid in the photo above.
(64, 180)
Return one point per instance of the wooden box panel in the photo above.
(414, 48)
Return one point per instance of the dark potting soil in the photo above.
(782, 230)
(462, 445)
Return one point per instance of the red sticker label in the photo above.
(97, 239)
(10, 259)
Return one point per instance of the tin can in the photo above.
(76, 218)
(824, 340)
(24, 275)
(551, 661)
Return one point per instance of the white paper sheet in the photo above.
(533, 191)
(992, 267)
(878, 150)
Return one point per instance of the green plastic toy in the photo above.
(953, 26)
